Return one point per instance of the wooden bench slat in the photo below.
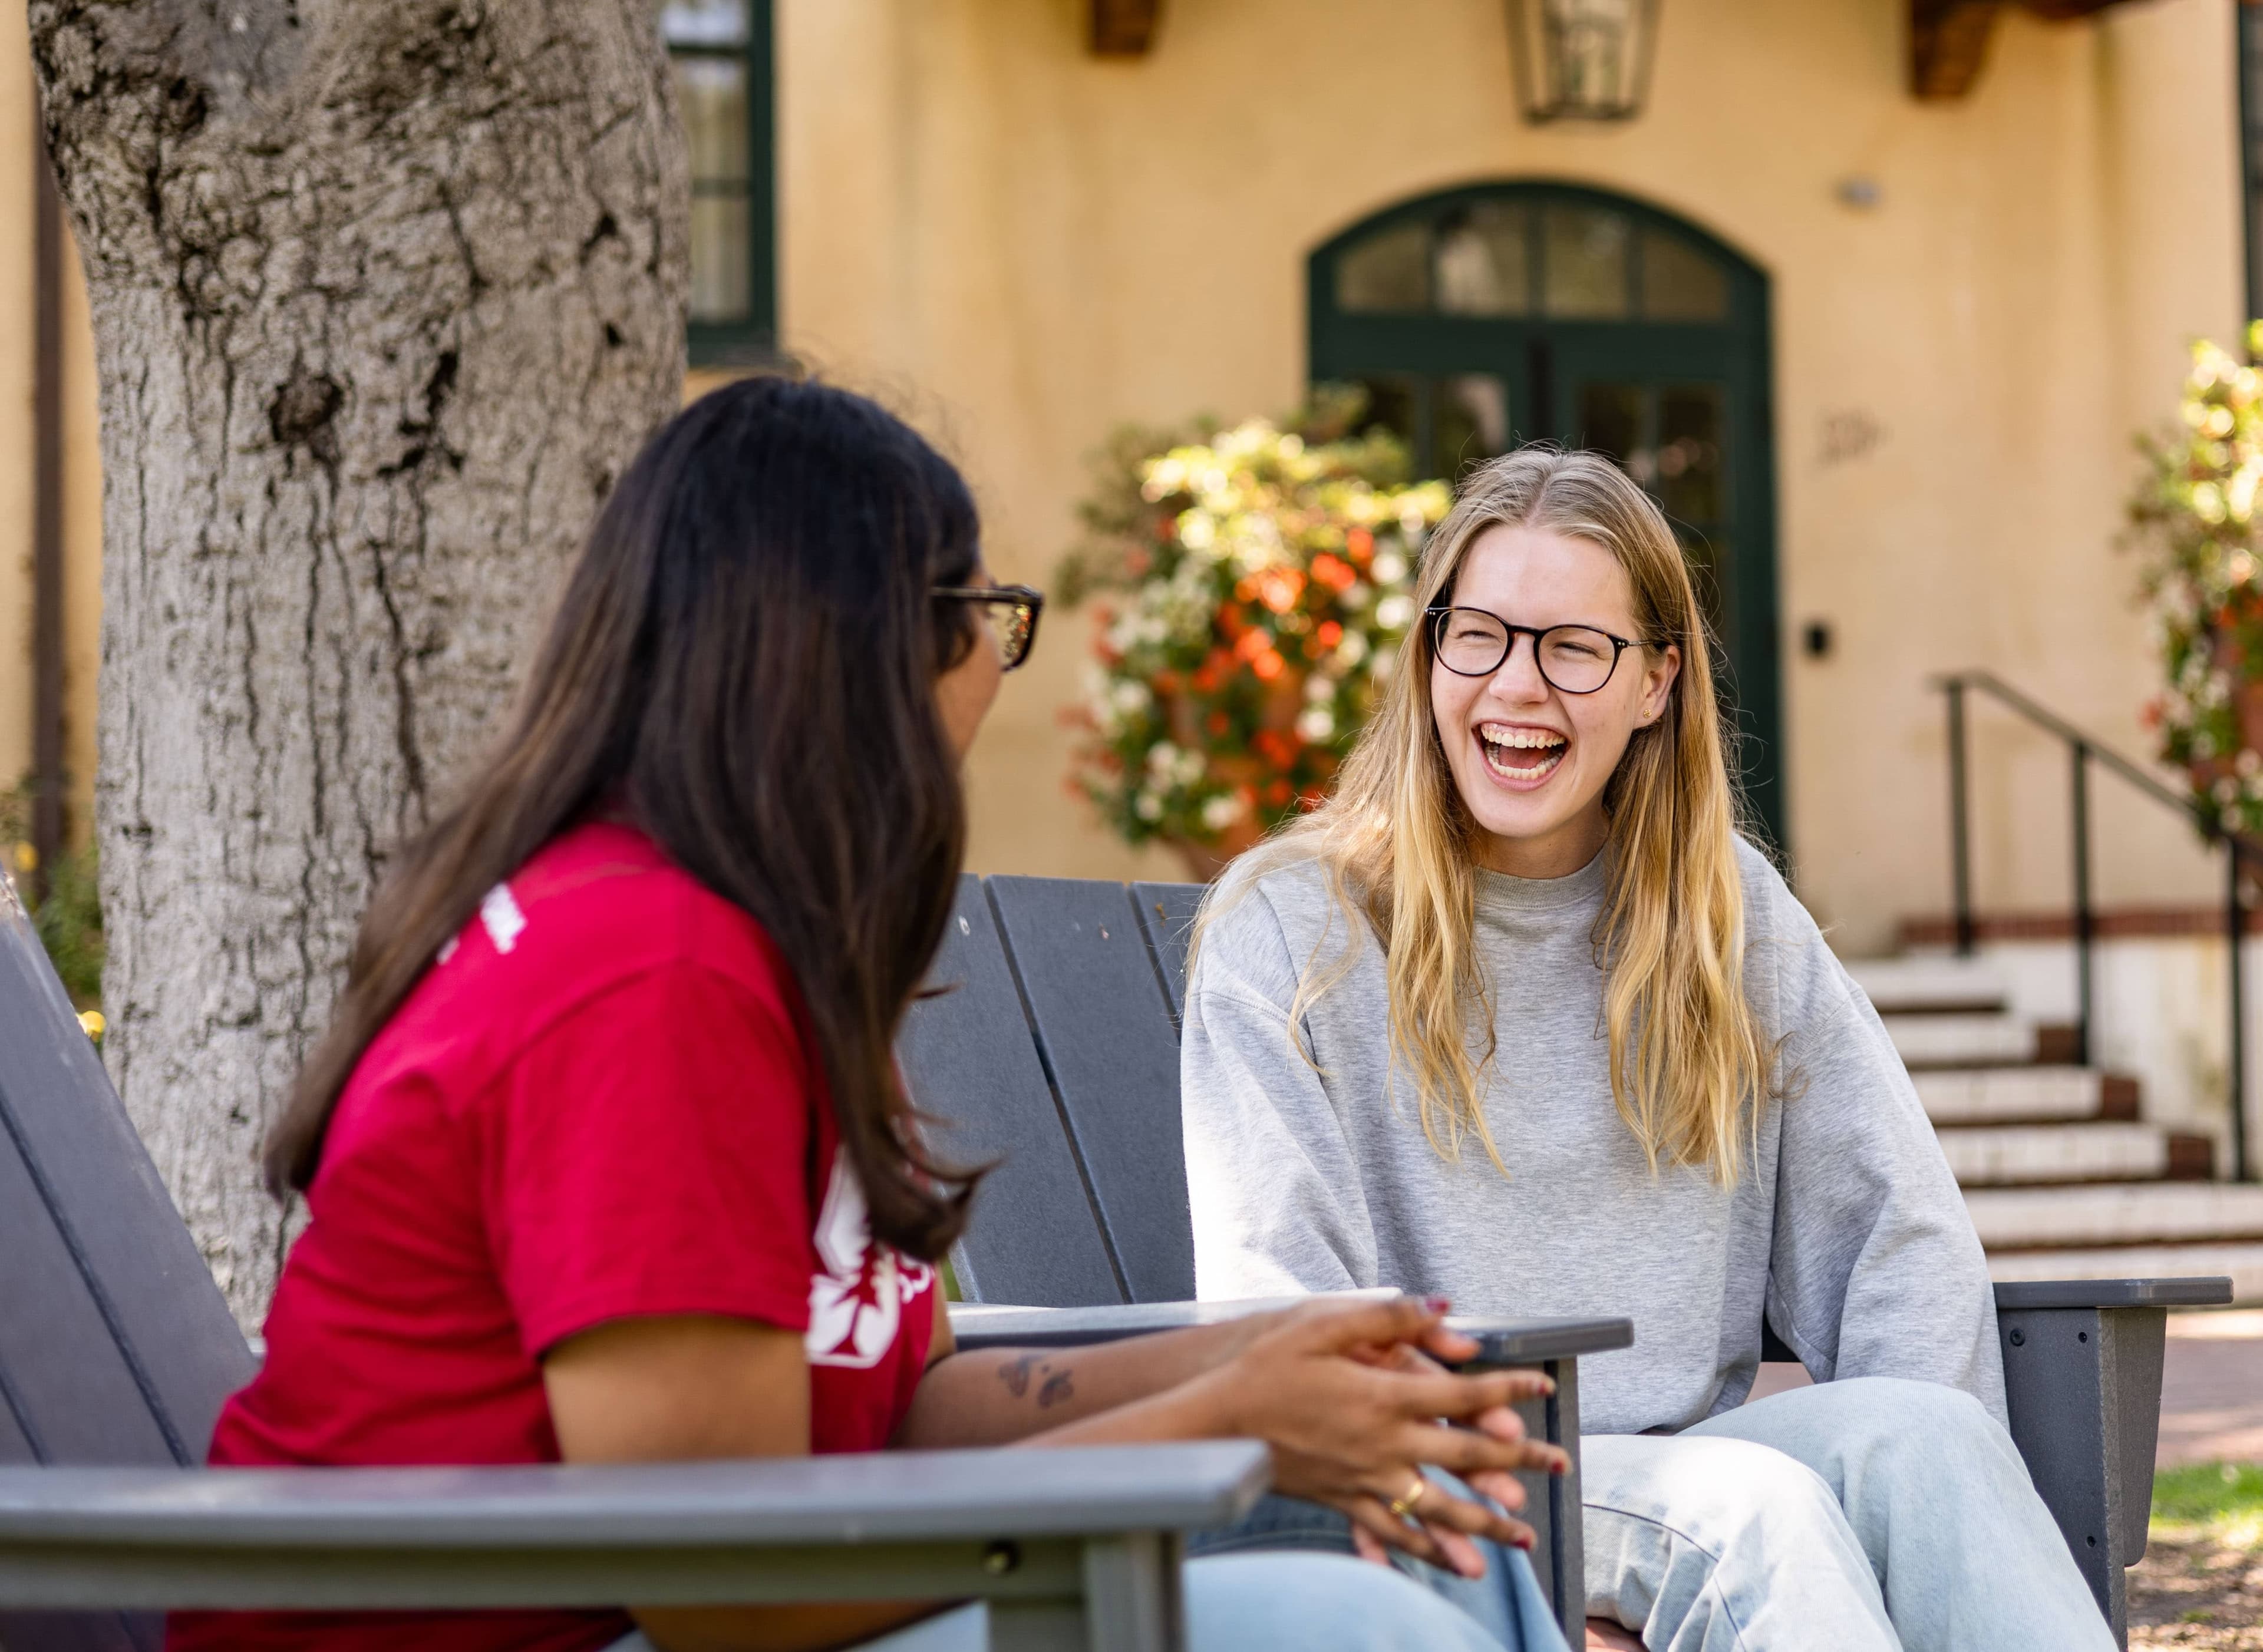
(1035, 1238)
(1104, 1026)
(123, 1249)
(1167, 912)
(98, 1270)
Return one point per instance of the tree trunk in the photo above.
(386, 293)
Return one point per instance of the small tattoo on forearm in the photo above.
(1054, 1388)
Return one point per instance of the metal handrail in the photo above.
(2082, 750)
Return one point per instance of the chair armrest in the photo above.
(1551, 1504)
(879, 1526)
(1501, 1340)
(2082, 1381)
(2207, 1291)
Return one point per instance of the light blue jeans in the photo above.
(1871, 1515)
(1282, 1601)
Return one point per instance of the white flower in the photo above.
(1196, 531)
(1317, 724)
(1393, 611)
(1319, 687)
(1162, 758)
(1222, 811)
(2227, 791)
(1349, 652)
(1130, 697)
(2248, 762)
(1389, 568)
(1147, 805)
(1385, 659)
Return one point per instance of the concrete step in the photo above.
(2243, 1262)
(2113, 1215)
(1932, 1041)
(1920, 987)
(2024, 1095)
(2004, 1155)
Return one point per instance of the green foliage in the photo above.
(2207, 1493)
(69, 919)
(1256, 583)
(2195, 519)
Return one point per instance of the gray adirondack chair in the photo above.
(1056, 1047)
(1056, 1053)
(116, 1350)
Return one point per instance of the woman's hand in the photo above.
(1354, 1410)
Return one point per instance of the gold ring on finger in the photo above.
(1404, 1505)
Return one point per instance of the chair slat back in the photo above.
(116, 1347)
(970, 1059)
(1103, 1025)
(1166, 912)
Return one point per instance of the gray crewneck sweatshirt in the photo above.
(1848, 1228)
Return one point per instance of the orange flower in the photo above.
(1329, 634)
(1219, 723)
(1280, 587)
(1278, 793)
(1333, 571)
(1253, 643)
(1360, 543)
(1268, 666)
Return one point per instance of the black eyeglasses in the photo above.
(1018, 633)
(1572, 659)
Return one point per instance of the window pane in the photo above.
(1391, 404)
(1690, 440)
(1483, 267)
(720, 256)
(1387, 271)
(1472, 421)
(714, 93)
(1587, 263)
(704, 22)
(1680, 283)
(1610, 423)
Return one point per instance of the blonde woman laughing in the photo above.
(1520, 1019)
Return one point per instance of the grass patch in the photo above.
(2209, 1494)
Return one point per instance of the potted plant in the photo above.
(2195, 518)
(1255, 585)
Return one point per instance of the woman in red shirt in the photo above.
(605, 1154)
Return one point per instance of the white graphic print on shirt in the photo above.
(857, 1305)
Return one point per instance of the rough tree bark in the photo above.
(386, 293)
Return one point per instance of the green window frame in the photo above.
(724, 59)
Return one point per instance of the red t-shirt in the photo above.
(602, 1101)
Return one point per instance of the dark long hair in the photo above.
(745, 660)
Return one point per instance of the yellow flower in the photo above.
(27, 858)
(92, 1019)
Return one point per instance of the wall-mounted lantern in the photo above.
(1583, 60)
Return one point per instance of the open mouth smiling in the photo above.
(1521, 752)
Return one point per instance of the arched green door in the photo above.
(1483, 317)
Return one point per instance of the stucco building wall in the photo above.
(1024, 246)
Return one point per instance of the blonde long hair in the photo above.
(1689, 1066)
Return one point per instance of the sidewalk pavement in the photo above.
(2212, 1388)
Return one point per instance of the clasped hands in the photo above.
(1355, 1399)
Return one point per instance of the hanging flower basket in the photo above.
(2195, 517)
(1255, 584)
